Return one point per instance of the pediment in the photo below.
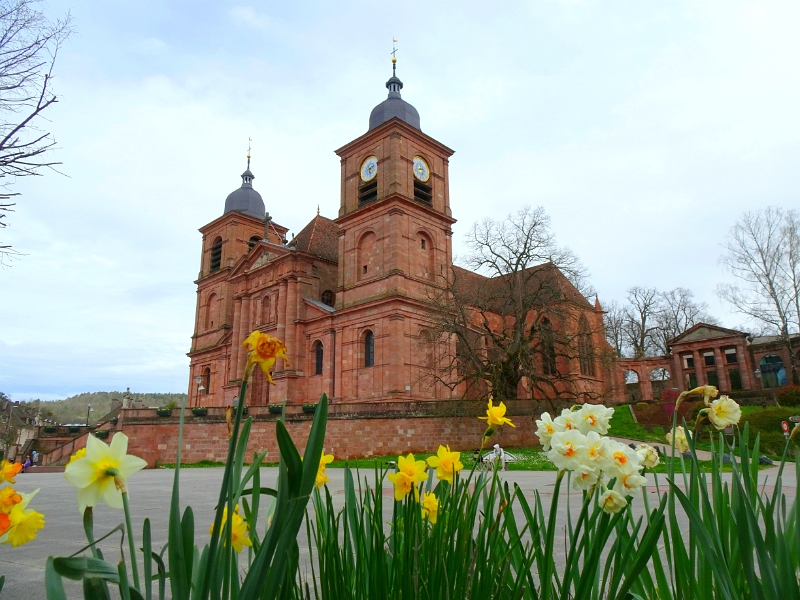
(705, 331)
(262, 254)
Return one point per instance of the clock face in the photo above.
(369, 168)
(421, 170)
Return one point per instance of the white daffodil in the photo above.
(724, 412)
(545, 430)
(623, 460)
(102, 473)
(584, 477)
(594, 417)
(681, 441)
(612, 501)
(566, 449)
(649, 455)
(566, 421)
(629, 483)
(596, 452)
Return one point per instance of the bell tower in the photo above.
(394, 217)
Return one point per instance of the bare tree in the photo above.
(29, 45)
(763, 254)
(614, 320)
(677, 312)
(513, 314)
(641, 320)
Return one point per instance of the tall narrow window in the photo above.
(206, 380)
(369, 349)
(585, 349)
(318, 358)
(211, 311)
(328, 297)
(266, 310)
(548, 348)
(216, 255)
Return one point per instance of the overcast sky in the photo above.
(645, 129)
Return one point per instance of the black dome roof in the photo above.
(246, 200)
(394, 106)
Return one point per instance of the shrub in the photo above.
(788, 395)
(767, 423)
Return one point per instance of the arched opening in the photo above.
(206, 381)
(585, 350)
(424, 257)
(633, 391)
(266, 310)
(367, 264)
(252, 242)
(631, 376)
(318, 356)
(548, 347)
(659, 374)
(211, 311)
(328, 297)
(369, 349)
(773, 374)
(216, 255)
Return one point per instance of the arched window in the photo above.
(266, 310)
(548, 345)
(369, 349)
(216, 255)
(206, 380)
(318, 358)
(585, 350)
(424, 257)
(252, 242)
(773, 374)
(367, 256)
(328, 297)
(211, 311)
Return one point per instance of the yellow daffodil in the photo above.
(102, 473)
(414, 470)
(24, 525)
(724, 412)
(681, 441)
(8, 499)
(8, 471)
(322, 477)
(77, 456)
(402, 484)
(239, 529)
(495, 416)
(264, 350)
(446, 463)
(20, 525)
(430, 507)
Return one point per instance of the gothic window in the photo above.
(253, 241)
(369, 349)
(216, 255)
(211, 309)
(548, 347)
(585, 350)
(206, 380)
(328, 297)
(266, 310)
(318, 358)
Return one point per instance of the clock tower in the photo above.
(394, 217)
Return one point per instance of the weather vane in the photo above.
(394, 50)
(249, 144)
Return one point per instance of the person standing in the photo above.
(500, 456)
(35, 458)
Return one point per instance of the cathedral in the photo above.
(348, 296)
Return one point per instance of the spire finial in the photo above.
(394, 58)
(249, 144)
(317, 209)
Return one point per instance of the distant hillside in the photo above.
(73, 409)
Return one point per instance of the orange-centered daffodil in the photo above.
(8, 471)
(264, 350)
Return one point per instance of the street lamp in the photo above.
(199, 380)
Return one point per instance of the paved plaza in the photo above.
(150, 494)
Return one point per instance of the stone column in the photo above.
(244, 331)
(699, 367)
(291, 327)
(646, 387)
(281, 328)
(678, 380)
(745, 371)
(237, 342)
(396, 351)
(722, 375)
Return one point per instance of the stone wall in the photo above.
(354, 430)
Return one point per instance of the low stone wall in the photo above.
(355, 430)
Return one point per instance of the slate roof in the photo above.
(320, 238)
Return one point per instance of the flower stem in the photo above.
(131, 544)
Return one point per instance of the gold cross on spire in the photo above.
(249, 144)
(394, 50)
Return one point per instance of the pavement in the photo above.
(150, 493)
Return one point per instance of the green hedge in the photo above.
(788, 395)
(767, 423)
